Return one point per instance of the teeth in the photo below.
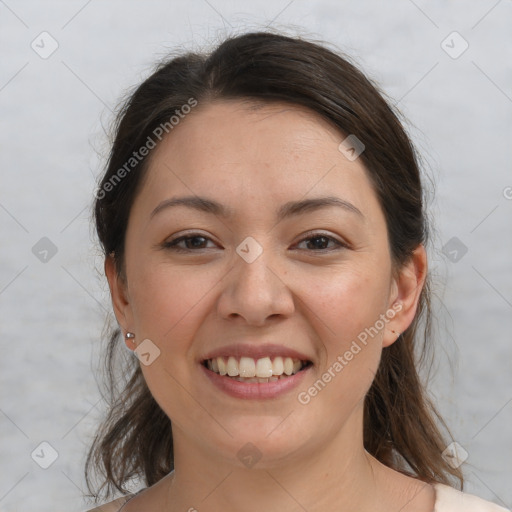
(232, 367)
(264, 367)
(288, 366)
(221, 365)
(278, 366)
(250, 370)
(247, 367)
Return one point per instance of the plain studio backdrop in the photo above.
(65, 65)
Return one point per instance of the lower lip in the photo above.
(255, 390)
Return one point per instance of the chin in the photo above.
(259, 442)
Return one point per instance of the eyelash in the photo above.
(173, 244)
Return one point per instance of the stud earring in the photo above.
(130, 336)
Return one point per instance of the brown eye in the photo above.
(188, 243)
(320, 242)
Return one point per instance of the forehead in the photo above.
(243, 150)
(250, 131)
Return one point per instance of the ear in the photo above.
(405, 295)
(120, 298)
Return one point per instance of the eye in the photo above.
(316, 242)
(188, 243)
(320, 242)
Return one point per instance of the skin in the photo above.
(315, 300)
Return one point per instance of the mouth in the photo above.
(253, 371)
(262, 370)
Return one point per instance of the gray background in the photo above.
(54, 111)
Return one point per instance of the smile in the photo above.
(250, 370)
(257, 379)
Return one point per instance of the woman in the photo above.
(264, 234)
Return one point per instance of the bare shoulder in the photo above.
(112, 506)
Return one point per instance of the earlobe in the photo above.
(118, 293)
(406, 294)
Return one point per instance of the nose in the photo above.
(256, 292)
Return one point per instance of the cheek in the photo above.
(168, 309)
(165, 298)
(351, 302)
(350, 308)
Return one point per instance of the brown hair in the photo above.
(401, 425)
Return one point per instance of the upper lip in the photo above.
(255, 351)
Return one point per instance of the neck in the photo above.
(339, 475)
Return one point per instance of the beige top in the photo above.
(447, 500)
(452, 500)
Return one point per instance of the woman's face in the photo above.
(287, 256)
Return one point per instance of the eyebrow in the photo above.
(287, 210)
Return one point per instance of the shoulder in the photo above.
(449, 499)
(113, 506)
